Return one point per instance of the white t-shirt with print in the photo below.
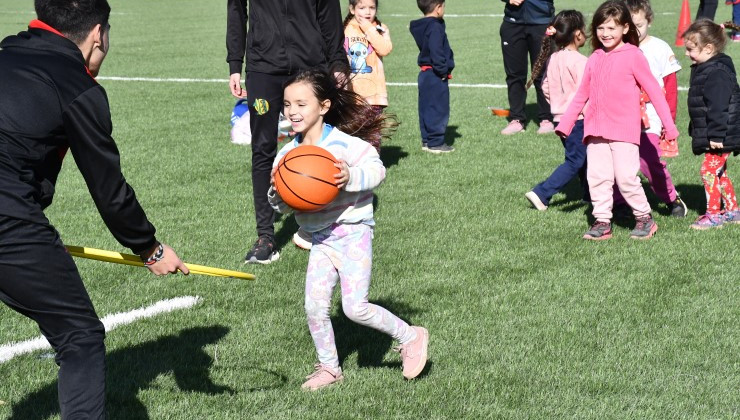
(663, 62)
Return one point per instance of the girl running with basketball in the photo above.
(326, 115)
(611, 85)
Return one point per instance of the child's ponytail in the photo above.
(545, 53)
(704, 31)
(560, 34)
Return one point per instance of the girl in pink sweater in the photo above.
(564, 73)
(611, 84)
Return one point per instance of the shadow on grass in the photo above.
(693, 195)
(284, 235)
(570, 200)
(370, 345)
(133, 369)
(391, 155)
(452, 134)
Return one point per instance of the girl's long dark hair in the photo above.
(566, 23)
(350, 16)
(348, 111)
(617, 10)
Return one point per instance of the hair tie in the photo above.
(722, 25)
(550, 31)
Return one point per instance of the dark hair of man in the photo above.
(73, 18)
(427, 6)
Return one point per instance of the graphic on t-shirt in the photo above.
(358, 53)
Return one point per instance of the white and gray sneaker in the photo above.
(302, 239)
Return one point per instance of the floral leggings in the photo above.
(717, 184)
(343, 252)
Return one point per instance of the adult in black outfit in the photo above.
(280, 42)
(521, 33)
(707, 9)
(51, 103)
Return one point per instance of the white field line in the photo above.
(11, 350)
(184, 80)
(492, 15)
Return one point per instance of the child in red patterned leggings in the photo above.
(714, 108)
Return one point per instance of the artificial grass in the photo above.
(526, 319)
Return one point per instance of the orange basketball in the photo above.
(304, 178)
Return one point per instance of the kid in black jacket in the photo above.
(714, 108)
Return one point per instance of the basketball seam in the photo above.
(285, 165)
(302, 174)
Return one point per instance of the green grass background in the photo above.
(526, 319)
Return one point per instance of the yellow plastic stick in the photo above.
(129, 259)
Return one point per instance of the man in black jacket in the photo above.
(284, 37)
(50, 103)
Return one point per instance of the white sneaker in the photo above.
(302, 239)
(535, 200)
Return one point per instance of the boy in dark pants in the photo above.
(436, 64)
(51, 103)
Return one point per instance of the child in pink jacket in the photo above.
(611, 85)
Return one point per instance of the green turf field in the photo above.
(527, 320)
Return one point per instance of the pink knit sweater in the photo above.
(611, 85)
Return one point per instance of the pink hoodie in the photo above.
(564, 74)
(611, 85)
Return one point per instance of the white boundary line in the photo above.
(111, 322)
(185, 80)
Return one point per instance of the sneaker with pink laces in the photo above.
(322, 377)
(414, 353)
(515, 126)
(546, 127)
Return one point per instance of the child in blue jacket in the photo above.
(435, 63)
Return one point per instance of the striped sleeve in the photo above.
(366, 170)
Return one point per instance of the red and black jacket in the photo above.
(51, 103)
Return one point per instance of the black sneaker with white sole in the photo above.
(263, 251)
(678, 208)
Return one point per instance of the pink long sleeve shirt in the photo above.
(563, 76)
(611, 85)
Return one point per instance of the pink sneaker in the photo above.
(322, 377)
(546, 127)
(414, 353)
(515, 126)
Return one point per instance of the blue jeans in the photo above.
(575, 164)
(736, 16)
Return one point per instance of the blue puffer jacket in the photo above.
(530, 12)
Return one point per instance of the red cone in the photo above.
(684, 21)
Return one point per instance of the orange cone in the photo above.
(684, 21)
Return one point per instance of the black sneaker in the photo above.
(678, 208)
(444, 148)
(263, 251)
